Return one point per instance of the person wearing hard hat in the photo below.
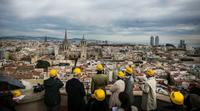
(117, 88)
(75, 92)
(177, 100)
(52, 94)
(16, 93)
(149, 92)
(7, 101)
(129, 83)
(192, 101)
(98, 101)
(99, 80)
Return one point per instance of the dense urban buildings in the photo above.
(176, 67)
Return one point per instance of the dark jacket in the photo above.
(174, 108)
(192, 102)
(94, 105)
(6, 102)
(76, 92)
(52, 93)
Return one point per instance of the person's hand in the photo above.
(16, 100)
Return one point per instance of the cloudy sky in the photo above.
(116, 20)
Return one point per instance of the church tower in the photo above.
(83, 45)
(65, 47)
(65, 44)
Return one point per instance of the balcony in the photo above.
(35, 101)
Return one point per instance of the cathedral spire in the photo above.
(65, 34)
(65, 42)
(83, 36)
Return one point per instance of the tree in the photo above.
(42, 64)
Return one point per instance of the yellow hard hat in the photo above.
(129, 70)
(99, 94)
(99, 67)
(16, 93)
(120, 74)
(177, 97)
(150, 72)
(53, 73)
(77, 71)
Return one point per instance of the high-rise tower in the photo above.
(152, 41)
(156, 40)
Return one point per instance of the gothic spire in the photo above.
(65, 34)
(83, 37)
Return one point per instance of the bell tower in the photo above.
(83, 45)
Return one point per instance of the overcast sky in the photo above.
(117, 20)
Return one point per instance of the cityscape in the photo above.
(30, 57)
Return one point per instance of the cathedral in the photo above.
(70, 51)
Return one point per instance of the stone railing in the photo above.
(35, 101)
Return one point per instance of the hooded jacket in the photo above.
(52, 93)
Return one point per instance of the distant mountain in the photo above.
(42, 38)
(27, 38)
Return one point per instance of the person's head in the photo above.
(99, 68)
(129, 71)
(16, 93)
(53, 73)
(99, 94)
(77, 72)
(150, 73)
(125, 101)
(177, 98)
(120, 75)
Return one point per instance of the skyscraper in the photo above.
(152, 41)
(156, 40)
(182, 44)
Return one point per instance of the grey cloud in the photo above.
(100, 17)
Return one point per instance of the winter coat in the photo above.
(117, 88)
(52, 93)
(171, 107)
(133, 108)
(94, 105)
(149, 95)
(192, 102)
(76, 93)
(6, 101)
(129, 84)
(99, 81)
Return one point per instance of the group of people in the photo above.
(120, 99)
